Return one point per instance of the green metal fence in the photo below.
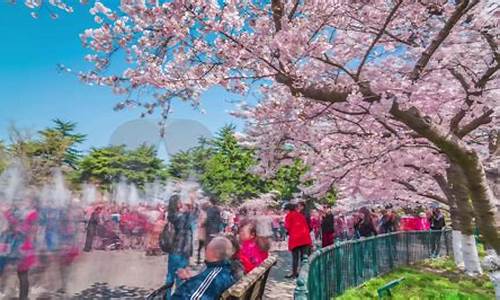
(332, 270)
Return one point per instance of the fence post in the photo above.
(338, 270)
(301, 292)
(446, 239)
(375, 257)
(407, 248)
(354, 250)
(390, 250)
(318, 270)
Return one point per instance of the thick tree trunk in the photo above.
(472, 263)
(483, 201)
(457, 248)
(495, 278)
(456, 232)
(459, 189)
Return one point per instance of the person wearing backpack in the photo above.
(180, 248)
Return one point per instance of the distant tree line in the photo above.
(221, 165)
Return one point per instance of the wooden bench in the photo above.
(252, 285)
(386, 289)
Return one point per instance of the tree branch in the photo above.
(328, 61)
(424, 59)
(485, 118)
(294, 10)
(278, 9)
(377, 38)
(412, 188)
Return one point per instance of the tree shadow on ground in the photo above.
(101, 290)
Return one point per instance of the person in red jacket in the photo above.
(299, 239)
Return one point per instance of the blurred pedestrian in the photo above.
(365, 225)
(180, 216)
(327, 228)
(92, 224)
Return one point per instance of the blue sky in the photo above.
(32, 92)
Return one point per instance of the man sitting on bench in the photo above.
(214, 279)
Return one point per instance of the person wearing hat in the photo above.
(437, 224)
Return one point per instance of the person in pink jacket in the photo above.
(423, 222)
(253, 250)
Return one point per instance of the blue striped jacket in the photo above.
(208, 285)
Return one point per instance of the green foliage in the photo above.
(329, 198)
(52, 148)
(287, 180)
(223, 168)
(67, 130)
(227, 173)
(432, 279)
(181, 165)
(110, 164)
(190, 163)
(4, 160)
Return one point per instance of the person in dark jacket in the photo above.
(388, 220)
(327, 228)
(182, 249)
(301, 207)
(213, 224)
(437, 224)
(365, 226)
(92, 228)
(214, 279)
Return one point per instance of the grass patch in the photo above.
(430, 279)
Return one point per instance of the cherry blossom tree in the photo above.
(429, 67)
(353, 157)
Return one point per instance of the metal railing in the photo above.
(330, 271)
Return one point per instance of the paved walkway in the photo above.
(127, 275)
(278, 287)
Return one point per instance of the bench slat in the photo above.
(239, 289)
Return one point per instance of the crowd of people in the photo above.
(188, 227)
(35, 236)
(323, 226)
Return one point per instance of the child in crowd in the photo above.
(253, 249)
